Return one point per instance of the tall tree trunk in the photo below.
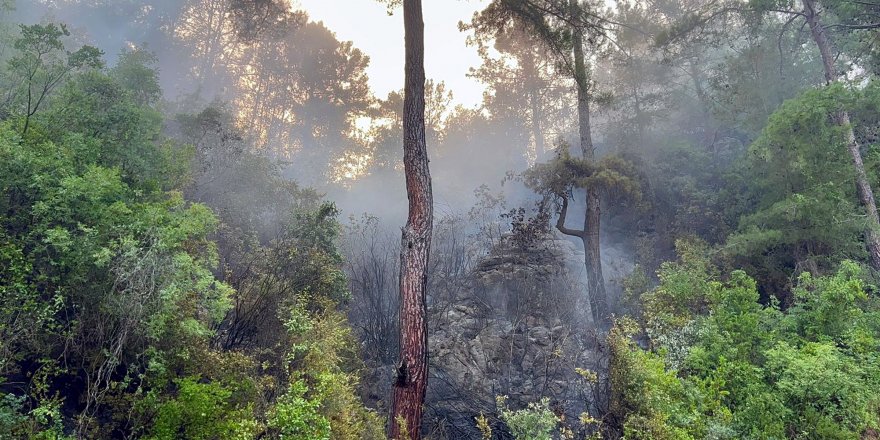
(408, 394)
(537, 131)
(866, 194)
(533, 81)
(593, 257)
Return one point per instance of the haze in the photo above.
(231, 219)
(368, 25)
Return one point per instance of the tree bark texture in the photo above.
(592, 250)
(841, 118)
(410, 383)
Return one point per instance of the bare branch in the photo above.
(560, 222)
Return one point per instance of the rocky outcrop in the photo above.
(518, 328)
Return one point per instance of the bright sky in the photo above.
(367, 24)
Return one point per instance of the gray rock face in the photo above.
(518, 328)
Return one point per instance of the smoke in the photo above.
(281, 115)
(298, 95)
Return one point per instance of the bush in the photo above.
(202, 411)
(722, 365)
(536, 422)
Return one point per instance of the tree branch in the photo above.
(779, 45)
(560, 222)
(854, 26)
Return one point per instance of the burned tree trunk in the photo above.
(408, 393)
(593, 258)
(841, 118)
(595, 280)
(590, 237)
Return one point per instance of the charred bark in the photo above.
(408, 393)
(592, 251)
(590, 233)
(595, 280)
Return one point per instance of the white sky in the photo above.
(367, 24)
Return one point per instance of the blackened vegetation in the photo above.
(699, 263)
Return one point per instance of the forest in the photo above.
(657, 223)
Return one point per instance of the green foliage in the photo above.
(280, 253)
(110, 271)
(724, 366)
(135, 72)
(323, 392)
(117, 130)
(685, 290)
(829, 309)
(41, 64)
(801, 210)
(770, 66)
(611, 175)
(110, 278)
(687, 192)
(202, 411)
(536, 422)
(296, 417)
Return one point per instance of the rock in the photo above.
(505, 332)
(540, 336)
(463, 309)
